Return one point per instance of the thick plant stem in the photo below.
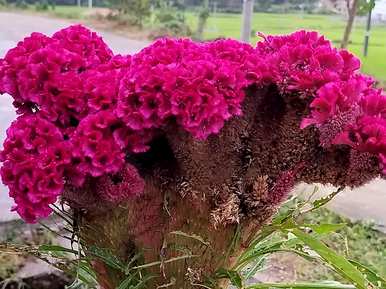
(180, 246)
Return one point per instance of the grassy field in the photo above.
(332, 27)
(70, 12)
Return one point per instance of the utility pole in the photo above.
(367, 34)
(247, 20)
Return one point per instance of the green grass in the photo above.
(228, 25)
(69, 12)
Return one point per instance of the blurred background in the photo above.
(129, 25)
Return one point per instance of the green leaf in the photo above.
(339, 263)
(107, 257)
(77, 284)
(233, 276)
(373, 277)
(258, 265)
(235, 240)
(265, 233)
(142, 283)
(323, 229)
(86, 274)
(254, 257)
(126, 283)
(321, 285)
(259, 250)
(56, 248)
(191, 236)
(156, 263)
(137, 257)
(323, 201)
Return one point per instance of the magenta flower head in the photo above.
(95, 150)
(34, 158)
(85, 43)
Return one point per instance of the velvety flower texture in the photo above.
(95, 151)
(84, 110)
(48, 74)
(304, 61)
(101, 84)
(34, 158)
(56, 82)
(199, 85)
(123, 185)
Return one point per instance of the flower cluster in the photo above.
(199, 84)
(85, 43)
(48, 73)
(83, 110)
(65, 88)
(352, 113)
(101, 84)
(34, 159)
(95, 151)
(345, 106)
(304, 61)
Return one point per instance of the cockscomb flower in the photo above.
(334, 98)
(102, 83)
(200, 85)
(196, 103)
(14, 63)
(143, 101)
(85, 43)
(85, 111)
(305, 61)
(95, 151)
(123, 185)
(34, 159)
(48, 73)
(374, 103)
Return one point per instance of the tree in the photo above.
(349, 8)
(352, 8)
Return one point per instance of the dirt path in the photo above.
(13, 28)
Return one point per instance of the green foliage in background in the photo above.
(364, 6)
(136, 11)
(42, 5)
(169, 20)
(21, 4)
